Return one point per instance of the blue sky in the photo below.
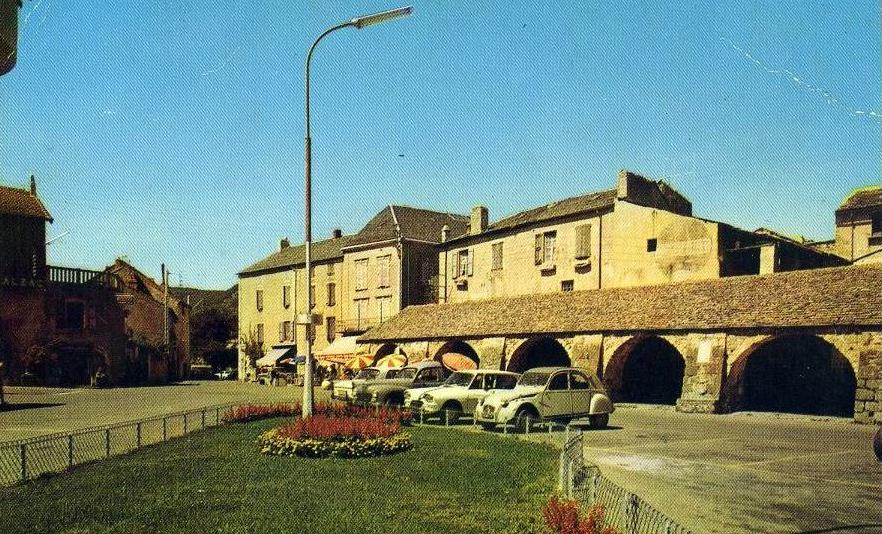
(169, 131)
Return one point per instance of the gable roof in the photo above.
(21, 202)
(839, 296)
(865, 197)
(293, 256)
(413, 223)
(136, 281)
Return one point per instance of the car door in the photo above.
(581, 391)
(555, 400)
(474, 393)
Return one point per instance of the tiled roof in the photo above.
(21, 202)
(863, 198)
(296, 255)
(415, 223)
(561, 208)
(840, 296)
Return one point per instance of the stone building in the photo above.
(642, 232)
(804, 341)
(859, 226)
(359, 281)
(142, 300)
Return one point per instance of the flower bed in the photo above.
(253, 412)
(564, 516)
(323, 436)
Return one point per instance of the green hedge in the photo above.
(271, 443)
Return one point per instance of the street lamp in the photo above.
(358, 23)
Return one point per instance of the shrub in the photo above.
(564, 517)
(342, 437)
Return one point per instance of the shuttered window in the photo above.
(583, 241)
(497, 257)
(286, 296)
(361, 267)
(545, 248)
(383, 270)
(259, 299)
(464, 263)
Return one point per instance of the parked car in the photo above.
(343, 389)
(458, 394)
(226, 374)
(390, 391)
(548, 394)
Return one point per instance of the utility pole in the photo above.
(165, 336)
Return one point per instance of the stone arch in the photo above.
(538, 352)
(387, 349)
(645, 369)
(793, 373)
(459, 347)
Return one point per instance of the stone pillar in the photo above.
(705, 356)
(868, 397)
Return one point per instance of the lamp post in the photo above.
(358, 23)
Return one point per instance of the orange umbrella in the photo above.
(359, 362)
(458, 362)
(392, 360)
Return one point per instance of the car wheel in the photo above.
(451, 412)
(393, 401)
(599, 421)
(525, 417)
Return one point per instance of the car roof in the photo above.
(492, 372)
(423, 364)
(549, 369)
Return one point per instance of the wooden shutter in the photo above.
(456, 265)
(583, 241)
(471, 263)
(540, 252)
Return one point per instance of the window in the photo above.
(259, 299)
(558, 382)
(286, 331)
(579, 381)
(74, 315)
(432, 374)
(311, 297)
(361, 311)
(876, 224)
(383, 271)
(330, 269)
(384, 307)
(332, 294)
(566, 285)
(331, 328)
(286, 296)
(544, 254)
(361, 267)
(464, 264)
(651, 245)
(497, 256)
(583, 241)
(260, 333)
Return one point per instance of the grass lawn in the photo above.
(217, 481)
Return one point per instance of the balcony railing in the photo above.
(84, 277)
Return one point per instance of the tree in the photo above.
(210, 333)
(252, 348)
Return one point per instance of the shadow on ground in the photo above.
(7, 407)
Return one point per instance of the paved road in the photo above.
(40, 411)
(745, 472)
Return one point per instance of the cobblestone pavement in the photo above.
(744, 472)
(39, 411)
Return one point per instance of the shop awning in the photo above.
(341, 350)
(273, 356)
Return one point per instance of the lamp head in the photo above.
(377, 18)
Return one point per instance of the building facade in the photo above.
(859, 226)
(640, 233)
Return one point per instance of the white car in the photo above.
(343, 389)
(459, 394)
(548, 394)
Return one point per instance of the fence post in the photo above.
(164, 429)
(592, 487)
(107, 442)
(422, 414)
(561, 470)
(138, 435)
(70, 450)
(23, 452)
(571, 480)
(446, 417)
(631, 511)
(203, 418)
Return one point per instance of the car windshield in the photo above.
(459, 379)
(368, 374)
(533, 379)
(392, 373)
(407, 373)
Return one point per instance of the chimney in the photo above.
(284, 243)
(336, 233)
(445, 233)
(33, 185)
(479, 220)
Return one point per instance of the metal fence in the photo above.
(623, 510)
(29, 458)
